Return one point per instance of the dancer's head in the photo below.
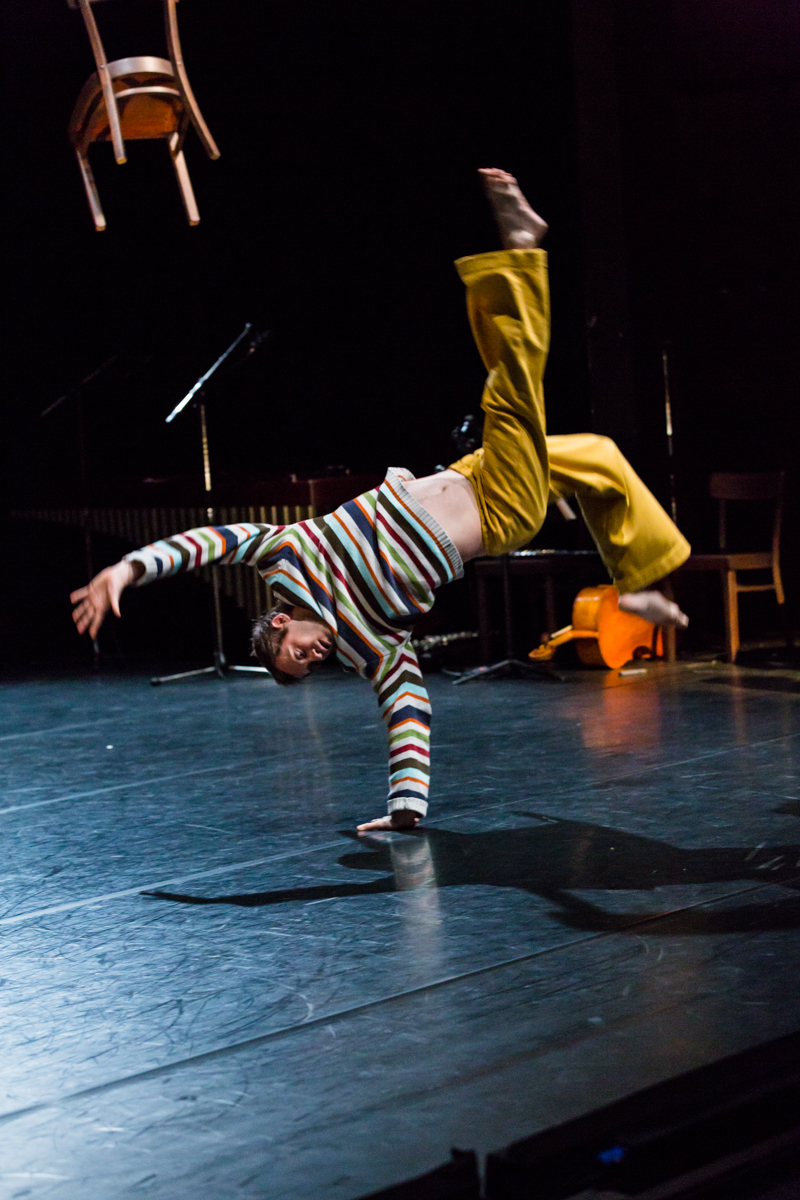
(290, 642)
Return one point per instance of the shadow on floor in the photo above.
(551, 859)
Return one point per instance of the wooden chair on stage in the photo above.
(726, 488)
(137, 98)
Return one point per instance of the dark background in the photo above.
(658, 139)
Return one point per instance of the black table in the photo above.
(543, 565)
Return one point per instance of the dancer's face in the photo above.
(306, 643)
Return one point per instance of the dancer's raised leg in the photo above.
(508, 305)
(628, 517)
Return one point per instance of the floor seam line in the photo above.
(139, 889)
(232, 766)
(329, 1018)
(582, 787)
(10, 737)
(285, 1031)
(117, 787)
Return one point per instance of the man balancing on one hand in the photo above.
(357, 579)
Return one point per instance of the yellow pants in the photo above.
(519, 470)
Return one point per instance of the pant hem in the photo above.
(493, 260)
(663, 566)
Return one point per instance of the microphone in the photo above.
(256, 341)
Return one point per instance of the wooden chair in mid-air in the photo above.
(137, 98)
(725, 488)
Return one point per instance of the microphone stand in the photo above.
(510, 666)
(668, 425)
(76, 392)
(196, 395)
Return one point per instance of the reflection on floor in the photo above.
(605, 894)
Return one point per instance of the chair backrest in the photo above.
(762, 485)
(765, 485)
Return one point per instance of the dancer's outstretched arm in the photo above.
(244, 542)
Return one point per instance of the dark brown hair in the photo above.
(266, 641)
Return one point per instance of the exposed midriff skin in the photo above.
(450, 500)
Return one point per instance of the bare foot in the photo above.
(520, 227)
(655, 607)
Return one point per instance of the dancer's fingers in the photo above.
(81, 615)
(88, 617)
(392, 821)
(90, 611)
(96, 623)
(378, 823)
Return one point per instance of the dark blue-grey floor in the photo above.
(604, 896)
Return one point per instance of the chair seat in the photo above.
(144, 98)
(148, 100)
(728, 562)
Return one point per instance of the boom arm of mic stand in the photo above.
(179, 407)
(76, 387)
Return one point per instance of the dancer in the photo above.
(356, 579)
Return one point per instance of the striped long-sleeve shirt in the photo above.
(368, 570)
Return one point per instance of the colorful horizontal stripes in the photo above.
(368, 569)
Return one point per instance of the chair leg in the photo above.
(184, 182)
(669, 640)
(176, 58)
(778, 582)
(549, 601)
(483, 621)
(91, 191)
(731, 603)
(788, 631)
(105, 81)
(780, 596)
(669, 634)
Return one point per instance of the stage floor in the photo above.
(604, 895)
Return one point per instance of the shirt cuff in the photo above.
(148, 561)
(407, 802)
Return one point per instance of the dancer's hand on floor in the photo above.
(103, 593)
(402, 818)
